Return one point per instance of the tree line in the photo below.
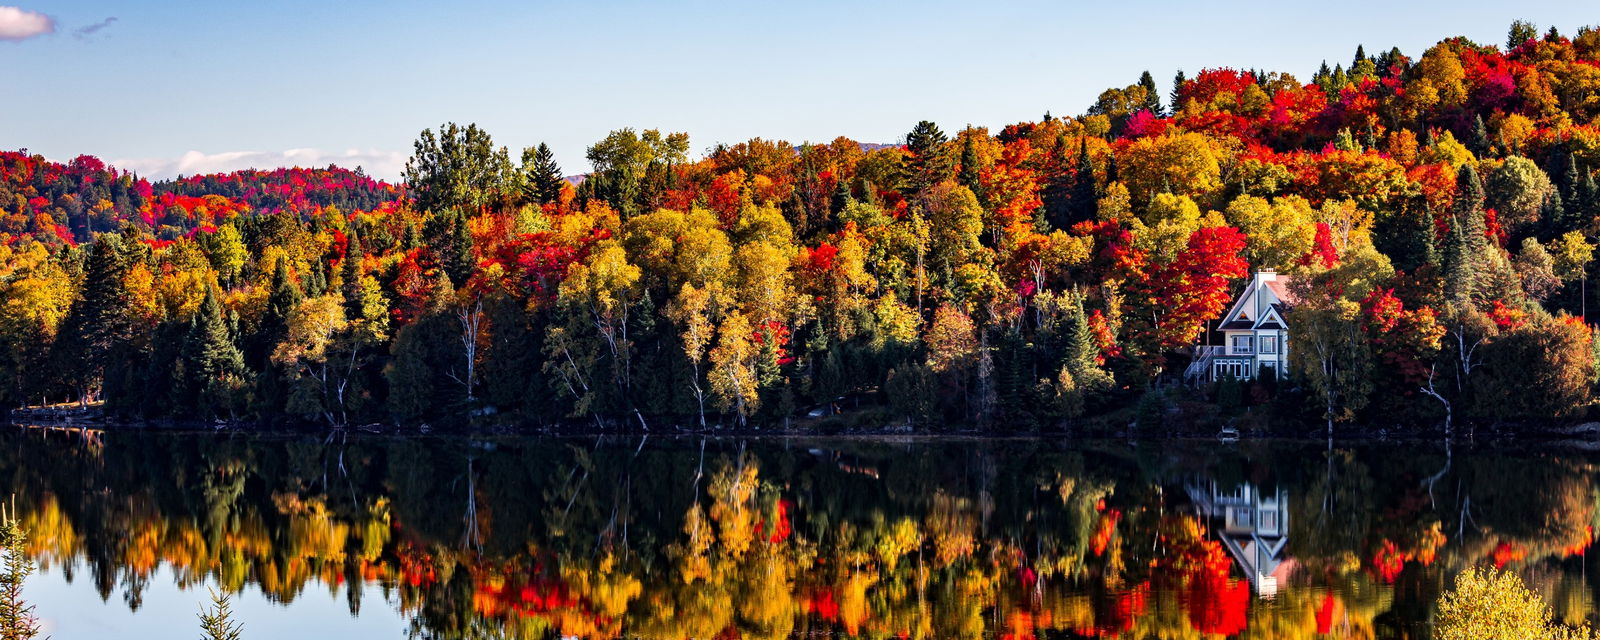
(1437, 215)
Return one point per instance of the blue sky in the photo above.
(191, 86)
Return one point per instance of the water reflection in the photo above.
(691, 538)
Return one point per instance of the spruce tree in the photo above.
(927, 165)
(969, 165)
(1520, 32)
(1085, 206)
(212, 363)
(281, 302)
(1465, 247)
(97, 323)
(1152, 97)
(17, 621)
(1175, 98)
(541, 176)
(217, 622)
(350, 275)
(1478, 141)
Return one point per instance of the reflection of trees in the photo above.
(505, 538)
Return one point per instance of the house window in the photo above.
(1269, 344)
(1242, 344)
(1225, 369)
(1269, 520)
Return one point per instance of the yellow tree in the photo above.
(733, 371)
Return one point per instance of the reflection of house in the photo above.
(1253, 525)
(1254, 334)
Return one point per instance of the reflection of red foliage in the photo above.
(1326, 612)
(1506, 553)
(1217, 605)
(1125, 608)
(1581, 546)
(781, 531)
(821, 602)
(1104, 530)
(1387, 561)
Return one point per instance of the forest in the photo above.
(1437, 215)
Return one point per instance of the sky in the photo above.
(190, 86)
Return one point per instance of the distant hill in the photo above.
(68, 202)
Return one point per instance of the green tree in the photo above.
(541, 176)
(929, 162)
(459, 167)
(97, 326)
(212, 362)
(1520, 32)
(1152, 97)
(1332, 356)
(17, 621)
(1466, 245)
(216, 622)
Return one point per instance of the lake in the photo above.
(357, 536)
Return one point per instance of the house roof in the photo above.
(1236, 325)
(1280, 288)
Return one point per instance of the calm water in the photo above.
(388, 537)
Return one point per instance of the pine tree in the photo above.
(541, 176)
(97, 323)
(213, 365)
(1175, 98)
(841, 196)
(1465, 247)
(281, 302)
(969, 165)
(1080, 351)
(1479, 139)
(1521, 31)
(928, 164)
(350, 274)
(1085, 206)
(1152, 97)
(217, 622)
(17, 621)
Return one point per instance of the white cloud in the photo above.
(386, 165)
(20, 24)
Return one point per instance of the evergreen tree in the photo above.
(211, 362)
(350, 274)
(1084, 204)
(841, 196)
(969, 165)
(1466, 245)
(17, 621)
(450, 242)
(928, 164)
(1175, 98)
(1521, 31)
(1080, 351)
(217, 621)
(541, 176)
(1152, 97)
(1478, 141)
(97, 326)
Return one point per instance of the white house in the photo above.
(1255, 337)
(1253, 526)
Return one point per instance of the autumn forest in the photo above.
(1436, 211)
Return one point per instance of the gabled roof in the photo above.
(1280, 288)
